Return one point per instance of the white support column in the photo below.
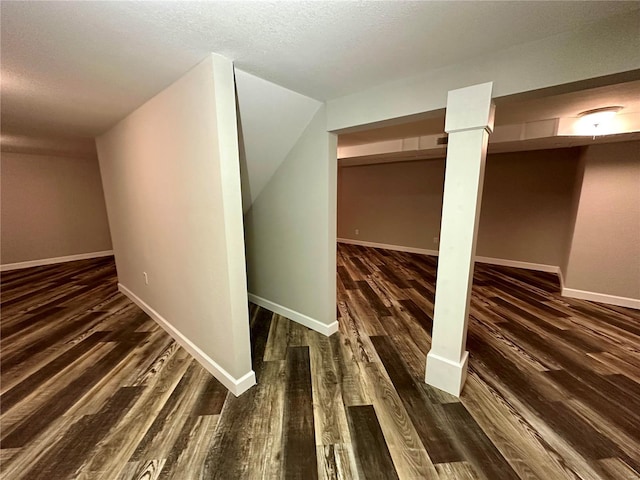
(469, 120)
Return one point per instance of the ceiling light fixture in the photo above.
(598, 121)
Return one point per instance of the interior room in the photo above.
(523, 314)
(536, 207)
(337, 240)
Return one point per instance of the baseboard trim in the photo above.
(601, 298)
(434, 253)
(386, 246)
(50, 261)
(297, 317)
(540, 267)
(561, 278)
(237, 386)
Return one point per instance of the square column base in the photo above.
(445, 374)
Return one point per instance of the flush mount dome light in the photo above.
(598, 121)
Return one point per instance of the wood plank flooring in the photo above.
(92, 388)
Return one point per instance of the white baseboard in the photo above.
(434, 253)
(597, 297)
(561, 278)
(50, 261)
(237, 386)
(385, 246)
(540, 267)
(602, 298)
(298, 317)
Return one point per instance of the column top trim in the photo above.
(470, 108)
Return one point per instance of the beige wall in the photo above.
(605, 251)
(291, 233)
(575, 201)
(526, 205)
(172, 184)
(51, 207)
(392, 203)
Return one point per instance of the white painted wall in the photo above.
(271, 120)
(604, 258)
(291, 234)
(604, 48)
(52, 207)
(172, 184)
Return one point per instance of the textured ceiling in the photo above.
(75, 68)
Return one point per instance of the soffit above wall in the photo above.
(514, 113)
(571, 104)
(434, 153)
(57, 146)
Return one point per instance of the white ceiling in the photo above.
(75, 68)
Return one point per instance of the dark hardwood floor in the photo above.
(94, 389)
